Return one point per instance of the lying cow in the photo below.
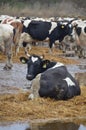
(6, 41)
(36, 31)
(51, 79)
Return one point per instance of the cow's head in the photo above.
(35, 65)
(65, 28)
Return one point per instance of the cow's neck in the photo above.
(50, 65)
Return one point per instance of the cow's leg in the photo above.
(2, 47)
(26, 48)
(50, 46)
(35, 88)
(9, 61)
(16, 49)
(8, 52)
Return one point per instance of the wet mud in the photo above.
(42, 126)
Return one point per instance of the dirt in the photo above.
(17, 107)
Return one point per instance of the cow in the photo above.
(6, 42)
(50, 79)
(17, 24)
(80, 37)
(36, 31)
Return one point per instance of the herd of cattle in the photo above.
(24, 31)
(54, 80)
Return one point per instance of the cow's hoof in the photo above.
(8, 67)
(31, 97)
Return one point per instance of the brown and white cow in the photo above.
(80, 37)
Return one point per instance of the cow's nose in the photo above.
(29, 77)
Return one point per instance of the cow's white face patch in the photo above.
(70, 25)
(53, 26)
(26, 23)
(69, 82)
(34, 59)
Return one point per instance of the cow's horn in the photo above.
(27, 54)
(42, 56)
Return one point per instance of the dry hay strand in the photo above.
(14, 107)
(38, 50)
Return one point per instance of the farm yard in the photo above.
(14, 102)
(69, 49)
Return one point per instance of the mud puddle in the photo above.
(14, 126)
(42, 126)
(13, 80)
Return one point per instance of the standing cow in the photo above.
(44, 31)
(17, 24)
(51, 79)
(80, 37)
(6, 41)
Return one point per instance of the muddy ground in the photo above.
(15, 106)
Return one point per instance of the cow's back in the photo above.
(39, 30)
(58, 83)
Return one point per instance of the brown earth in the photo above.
(17, 107)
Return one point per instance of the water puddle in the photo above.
(13, 79)
(76, 68)
(42, 126)
(14, 126)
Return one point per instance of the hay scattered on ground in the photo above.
(40, 50)
(15, 107)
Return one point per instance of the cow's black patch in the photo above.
(85, 29)
(78, 30)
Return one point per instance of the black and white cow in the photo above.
(36, 31)
(51, 79)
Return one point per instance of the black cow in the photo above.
(51, 79)
(45, 31)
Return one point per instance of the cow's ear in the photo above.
(23, 60)
(45, 64)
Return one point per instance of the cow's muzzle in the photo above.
(29, 77)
